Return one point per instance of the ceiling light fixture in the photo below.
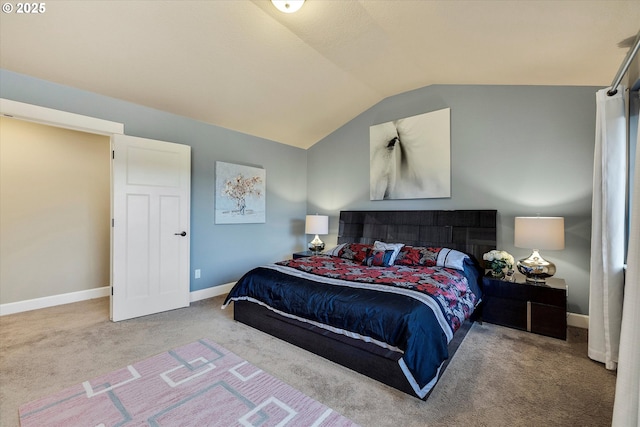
(288, 6)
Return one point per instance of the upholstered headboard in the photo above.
(470, 231)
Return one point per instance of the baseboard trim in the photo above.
(44, 302)
(53, 300)
(578, 320)
(211, 292)
(573, 319)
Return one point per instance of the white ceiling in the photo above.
(295, 78)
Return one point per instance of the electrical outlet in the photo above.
(197, 273)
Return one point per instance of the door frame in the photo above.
(72, 121)
(57, 118)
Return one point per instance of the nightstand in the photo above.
(541, 309)
(303, 254)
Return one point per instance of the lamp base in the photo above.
(535, 268)
(316, 244)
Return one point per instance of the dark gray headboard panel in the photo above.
(470, 231)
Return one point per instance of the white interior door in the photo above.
(150, 233)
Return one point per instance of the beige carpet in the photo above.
(499, 377)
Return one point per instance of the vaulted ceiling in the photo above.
(295, 78)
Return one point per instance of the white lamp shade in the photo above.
(539, 232)
(288, 6)
(317, 224)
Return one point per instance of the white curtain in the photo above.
(626, 409)
(607, 230)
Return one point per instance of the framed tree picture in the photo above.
(410, 158)
(240, 194)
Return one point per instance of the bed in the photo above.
(392, 301)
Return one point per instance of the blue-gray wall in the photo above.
(222, 252)
(505, 140)
(521, 150)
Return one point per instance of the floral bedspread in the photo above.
(449, 287)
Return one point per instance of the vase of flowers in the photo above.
(498, 261)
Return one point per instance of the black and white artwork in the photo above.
(410, 158)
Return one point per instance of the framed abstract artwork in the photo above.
(240, 196)
(410, 158)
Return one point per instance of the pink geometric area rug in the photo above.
(199, 384)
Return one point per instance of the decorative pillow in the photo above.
(354, 251)
(395, 247)
(335, 250)
(377, 258)
(451, 258)
(417, 255)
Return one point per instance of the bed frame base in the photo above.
(365, 358)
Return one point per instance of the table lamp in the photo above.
(316, 224)
(537, 233)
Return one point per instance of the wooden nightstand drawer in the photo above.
(541, 309)
(505, 312)
(548, 320)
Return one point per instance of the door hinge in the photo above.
(113, 154)
(112, 291)
(113, 222)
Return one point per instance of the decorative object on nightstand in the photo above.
(498, 261)
(316, 224)
(541, 232)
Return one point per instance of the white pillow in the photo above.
(451, 258)
(395, 247)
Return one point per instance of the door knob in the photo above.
(184, 233)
